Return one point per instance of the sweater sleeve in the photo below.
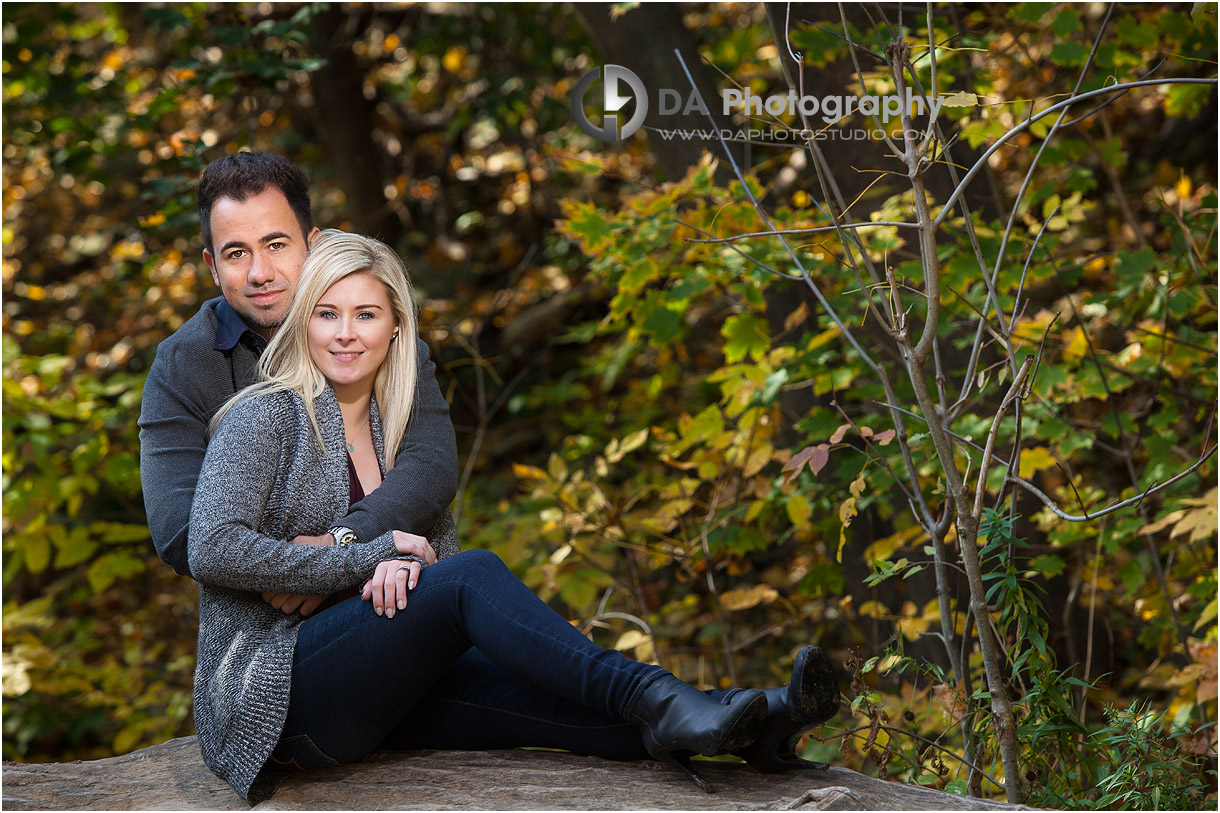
(173, 437)
(242, 469)
(418, 490)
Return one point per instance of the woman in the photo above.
(461, 655)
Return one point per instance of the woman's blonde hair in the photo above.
(286, 363)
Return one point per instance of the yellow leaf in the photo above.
(1183, 188)
(747, 597)
(960, 99)
(1034, 460)
(561, 554)
(857, 486)
(882, 549)
(912, 627)
(453, 58)
(798, 316)
(629, 639)
(1077, 345)
(874, 609)
(799, 510)
(759, 458)
(524, 472)
(847, 512)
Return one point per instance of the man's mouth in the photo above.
(265, 297)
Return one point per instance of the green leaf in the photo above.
(746, 335)
(1135, 33)
(1048, 565)
(662, 324)
(1070, 54)
(111, 566)
(590, 225)
(1029, 12)
(1066, 22)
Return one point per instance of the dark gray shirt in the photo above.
(211, 357)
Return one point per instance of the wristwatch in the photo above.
(343, 536)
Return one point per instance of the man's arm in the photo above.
(173, 439)
(418, 490)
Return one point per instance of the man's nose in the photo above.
(262, 270)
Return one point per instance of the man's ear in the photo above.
(210, 261)
(309, 238)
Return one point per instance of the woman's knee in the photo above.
(474, 560)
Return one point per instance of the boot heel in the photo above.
(675, 719)
(681, 762)
(810, 698)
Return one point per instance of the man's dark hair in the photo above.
(242, 175)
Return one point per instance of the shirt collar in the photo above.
(231, 329)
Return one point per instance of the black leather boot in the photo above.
(675, 720)
(810, 698)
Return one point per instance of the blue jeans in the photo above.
(475, 661)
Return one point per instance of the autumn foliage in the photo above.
(662, 428)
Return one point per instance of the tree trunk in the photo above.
(345, 122)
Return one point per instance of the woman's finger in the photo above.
(402, 575)
(389, 588)
(416, 569)
(376, 587)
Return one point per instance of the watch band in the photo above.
(343, 536)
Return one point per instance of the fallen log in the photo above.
(172, 776)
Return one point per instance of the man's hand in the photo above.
(293, 603)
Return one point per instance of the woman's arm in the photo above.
(246, 466)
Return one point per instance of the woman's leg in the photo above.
(475, 706)
(356, 675)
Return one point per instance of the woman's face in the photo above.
(350, 331)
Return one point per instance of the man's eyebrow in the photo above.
(275, 235)
(232, 244)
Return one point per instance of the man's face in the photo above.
(259, 253)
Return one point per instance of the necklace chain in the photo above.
(351, 447)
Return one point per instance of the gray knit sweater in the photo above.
(189, 380)
(265, 480)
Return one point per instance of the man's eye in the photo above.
(276, 246)
(236, 254)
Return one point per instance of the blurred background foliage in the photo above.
(628, 402)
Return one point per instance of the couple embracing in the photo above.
(298, 461)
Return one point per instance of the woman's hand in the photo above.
(395, 577)
(389, 585)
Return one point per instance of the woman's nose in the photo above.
(347, 330)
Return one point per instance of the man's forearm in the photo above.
(418, 490)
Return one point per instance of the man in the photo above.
(257, 224)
